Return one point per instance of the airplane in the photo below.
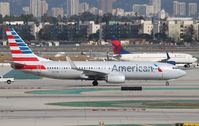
(25, 60)
(182, 60)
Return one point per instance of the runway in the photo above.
(27, 102)
(90, 117)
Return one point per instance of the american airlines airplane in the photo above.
(180, 59)
(112, 72)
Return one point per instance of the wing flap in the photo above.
(89, 73)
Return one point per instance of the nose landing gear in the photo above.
(95, 83)
(167, 83)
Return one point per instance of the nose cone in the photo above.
(180, 73)
(173, 74)
(195, 59)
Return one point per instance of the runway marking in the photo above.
(82, 90)
(72, 91)
(168, 88)
(151, 104)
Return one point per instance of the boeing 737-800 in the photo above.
(112, 72)
(180, 59)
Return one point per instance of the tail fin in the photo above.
(19, 49)
(117, 47)
(21, 53)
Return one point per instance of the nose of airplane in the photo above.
(195, 59)
(181, 73)
(173, 74)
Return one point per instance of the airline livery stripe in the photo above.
(24, 48)
(13, 33)
(7, 30)
(13, 44)
(116, 43)
(30, 67)
(22, 55)
(19, 40)
(21, 44)
(10, 37)
(8, 33)
(16, 51)
(11, 40)
(27, 52)
(16, 37)
(25, 59)
(21, 52)
(17, 44)
(15, 48)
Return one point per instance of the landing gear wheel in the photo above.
(167, 83)
(9, 82)
(95, 83)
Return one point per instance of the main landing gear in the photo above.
(95, 83)
(167, 83)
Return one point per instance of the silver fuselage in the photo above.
(131, 70)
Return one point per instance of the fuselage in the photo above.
(179, 58)
(130, 70)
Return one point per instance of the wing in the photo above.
(89, 73)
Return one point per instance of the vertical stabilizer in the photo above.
(117, 47)
(21, 53)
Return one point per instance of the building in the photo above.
(196, 29)
(106, 6)
(146, 27)
(95, 11)
(182, 8)
(178, 26)
(5, 8)
(157, 24)
(44, 7)
(175, 8)
(92, 27)
(120, 29)
(156, 4)
(38, 7)
(73, 33)
(162, 15)
(143, 9)
(118, 12)
(83, 7)
(26, 10)
(34, 7)
(57, 12)
(179, 8)
(72, 7)
(193, 9)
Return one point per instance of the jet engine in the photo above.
(187, 66)
(111, 78)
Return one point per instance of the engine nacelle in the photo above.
(187, 66)
(115, 78)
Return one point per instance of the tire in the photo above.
(95, 83)
(9, 82)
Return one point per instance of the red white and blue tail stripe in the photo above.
(117, 47)
(21, 53)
